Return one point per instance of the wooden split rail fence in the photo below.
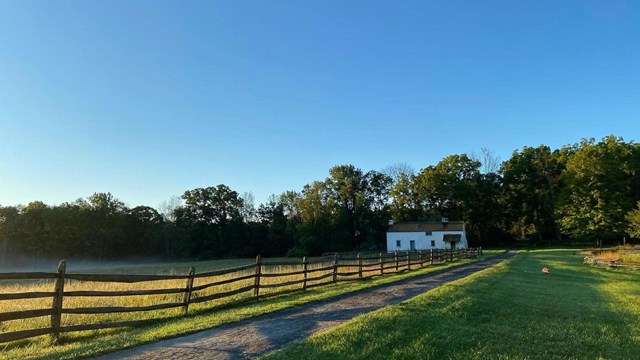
(258, 279)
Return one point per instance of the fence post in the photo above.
(335, 267)
(56, 316)
(408, 260)
(421, 252)
(187, 294)
(451, 255)
(256, 288)
(431, 257)
(396, 258)
(480, 250)
(304, 273)
(381, 265)
(359, 266)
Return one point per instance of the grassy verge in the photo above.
(510, 311)
(92, 343)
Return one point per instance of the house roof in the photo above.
(420, 226)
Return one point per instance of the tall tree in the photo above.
(444, 189)
(532, 183)
(398, 170)
(168, 207)
(145, 229)
(8, 228)
(405, 204)
(212, 216)
(277, 238)
(248, 209)
(600, 189)
(490, 162)
(484, 209)
(211, 205)
(107, 214)
(35, 232)
(633, 217)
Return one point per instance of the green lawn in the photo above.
(511, 311)
(92, 343)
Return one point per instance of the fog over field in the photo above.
(78, 265)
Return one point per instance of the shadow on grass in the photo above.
(514, 312)
(83, 344)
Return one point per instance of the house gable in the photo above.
(406, 236)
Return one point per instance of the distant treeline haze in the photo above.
(587, 191)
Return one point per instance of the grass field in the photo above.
(83, 344)
(511, 311)
(131, 301)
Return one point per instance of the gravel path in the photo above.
(256, 336)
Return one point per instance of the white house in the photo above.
(422, 235)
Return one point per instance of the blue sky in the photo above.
(147, 99)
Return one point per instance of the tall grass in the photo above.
(141, 300)
(626, 255)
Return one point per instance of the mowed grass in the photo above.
(170, 323)
(510, 311)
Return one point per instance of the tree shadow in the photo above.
(518, 313)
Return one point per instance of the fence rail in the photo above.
(614, 258)
(262, 276)
(611, 263)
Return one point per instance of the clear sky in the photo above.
(147, 99)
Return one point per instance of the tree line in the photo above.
(589, 191)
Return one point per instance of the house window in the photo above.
(433, 243)
(397, 243)
(427, 233)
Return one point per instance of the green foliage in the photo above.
(600, 188)
(210, 206)
(532, 184)
(444, 189)
(406, 204)
(633, 217)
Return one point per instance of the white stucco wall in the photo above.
(423, 241)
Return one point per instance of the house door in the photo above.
(453, 245)
(412, 245)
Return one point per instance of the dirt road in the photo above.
(256, 336)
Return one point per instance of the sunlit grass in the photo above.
(510, 311)
(171, 322)
(143, 300)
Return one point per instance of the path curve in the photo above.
(254, 337)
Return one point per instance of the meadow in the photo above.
(510, 311)
(169, 322)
